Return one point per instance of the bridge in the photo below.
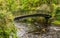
(53, 33)
(33, 15)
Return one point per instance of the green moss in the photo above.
(56, 22)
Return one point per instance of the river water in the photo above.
(54, 32)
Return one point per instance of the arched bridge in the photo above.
(33, 15)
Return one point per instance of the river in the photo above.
(54, 32)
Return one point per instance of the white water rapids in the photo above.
(54, 32)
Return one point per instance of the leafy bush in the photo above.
(7, 27)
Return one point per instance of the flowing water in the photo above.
(54, 32)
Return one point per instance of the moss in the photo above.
(56, 22)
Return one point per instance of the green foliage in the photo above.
(6, 25)
(6, 21)
(56, 22)
(8, 6)
(58, 14)
(30, 4)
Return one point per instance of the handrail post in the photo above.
(47, 24)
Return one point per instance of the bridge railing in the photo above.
(28, 12)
